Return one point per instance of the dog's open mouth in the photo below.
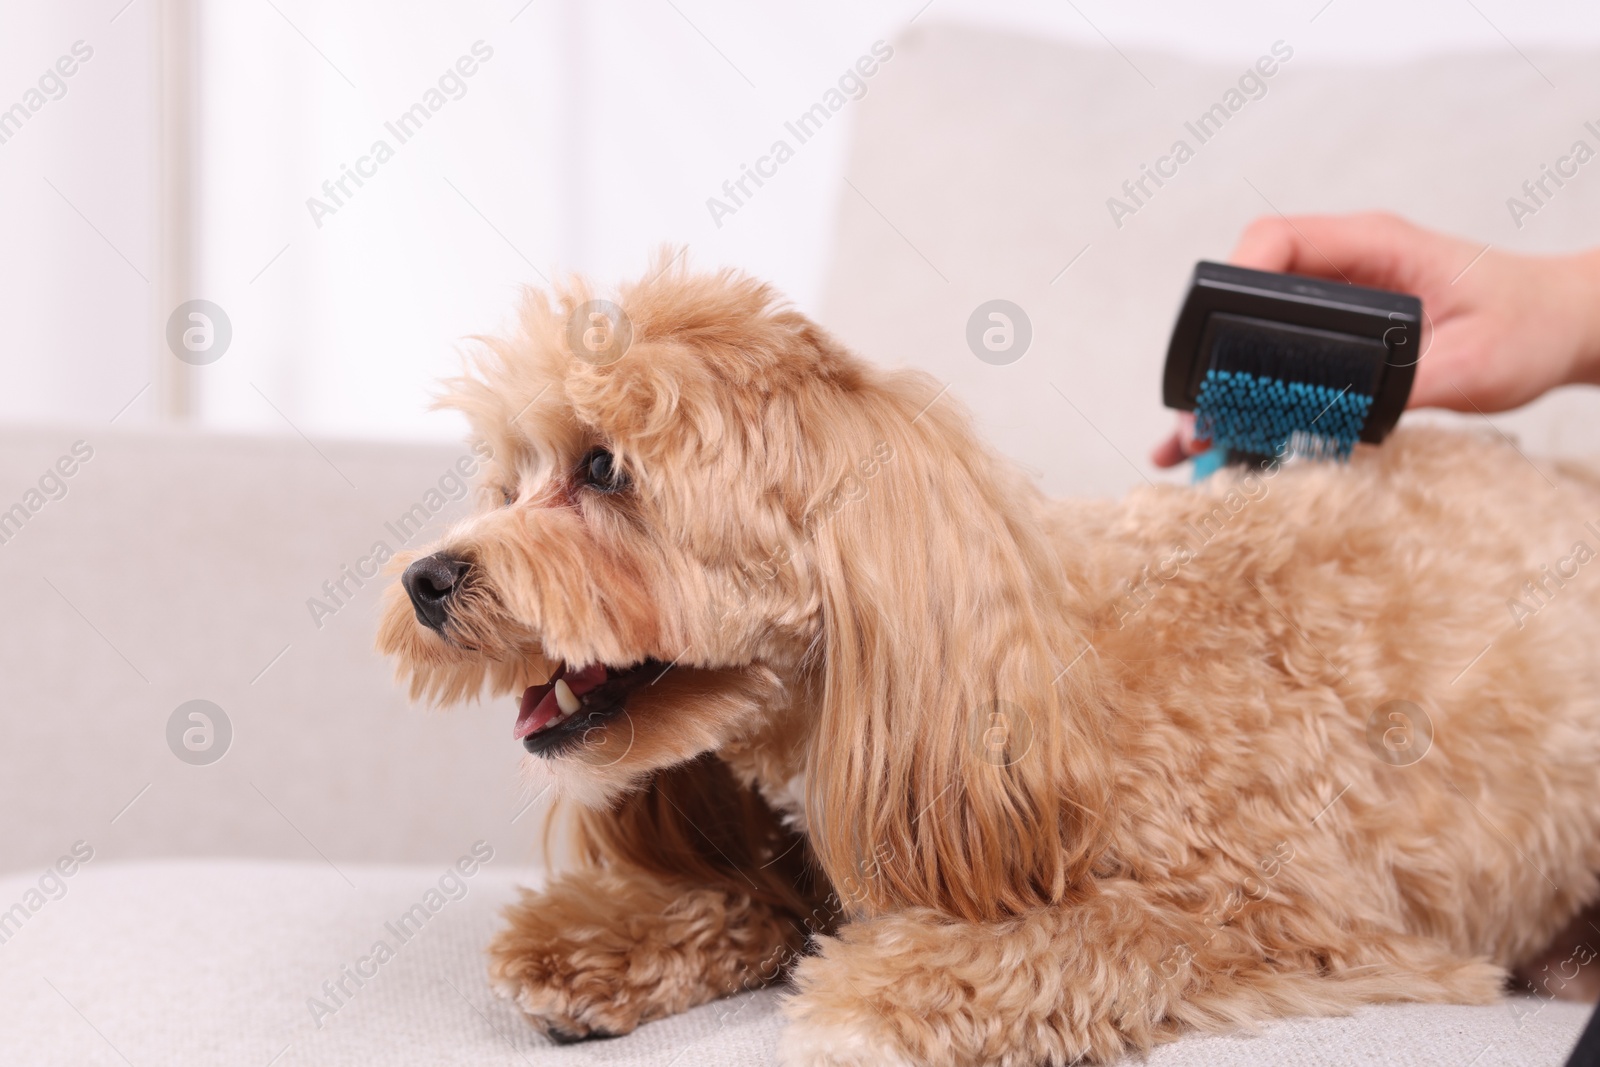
(557, 714)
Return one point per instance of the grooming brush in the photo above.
(1274, 365)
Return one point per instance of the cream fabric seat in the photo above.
(230, 963)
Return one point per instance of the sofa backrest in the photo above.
(173, 567)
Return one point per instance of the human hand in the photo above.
(1500, 330)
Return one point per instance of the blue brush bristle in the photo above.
(1243, 412)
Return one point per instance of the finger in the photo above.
(1181, 445)
(1371, 249)
(1438, 395)
(1169, 453)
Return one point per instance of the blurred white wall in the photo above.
(77, 246)
(592, 134)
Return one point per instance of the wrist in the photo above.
(1584, 270)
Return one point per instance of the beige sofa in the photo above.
(227, 912)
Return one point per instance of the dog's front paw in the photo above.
(836, 1021)
(570, 991)
(569, 973)
(598, 955)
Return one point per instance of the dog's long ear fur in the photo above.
(954, 765)
(694, 823)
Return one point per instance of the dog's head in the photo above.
(700, 515)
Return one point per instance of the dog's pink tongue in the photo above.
(539, 704)
(538, 708)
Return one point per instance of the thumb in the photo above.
(1369, 249)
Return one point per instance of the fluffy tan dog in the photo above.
(996, 779)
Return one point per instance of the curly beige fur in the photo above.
(1034, 780)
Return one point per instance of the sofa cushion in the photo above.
(222, 964)
(225, 963)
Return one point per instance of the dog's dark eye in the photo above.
(508, 496)
(600, 470)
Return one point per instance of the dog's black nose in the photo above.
(430, 583)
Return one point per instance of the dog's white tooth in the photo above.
(566, 699)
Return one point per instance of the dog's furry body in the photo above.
(1035, 780)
